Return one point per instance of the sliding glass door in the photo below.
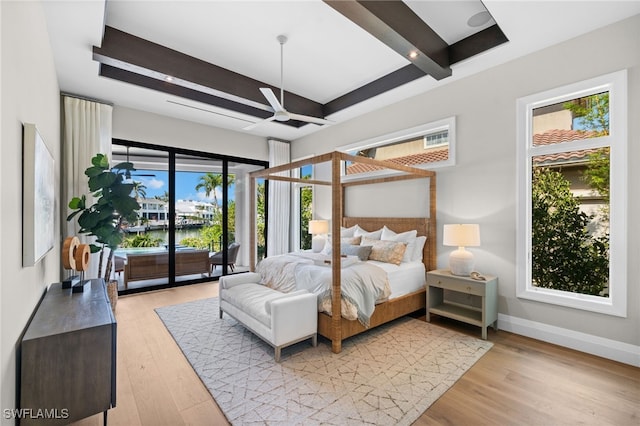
(194, 216)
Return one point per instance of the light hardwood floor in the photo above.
(520, 381)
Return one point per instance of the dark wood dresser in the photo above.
(68, 357)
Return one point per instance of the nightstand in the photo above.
(475, 301)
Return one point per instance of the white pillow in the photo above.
(408, 237)
(348, 232)
(419, 246)
(344, 241)
(375, 235)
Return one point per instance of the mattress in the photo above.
(408, 277)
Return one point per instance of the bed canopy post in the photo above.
(433, 231)
(336, 221)
(252, 224)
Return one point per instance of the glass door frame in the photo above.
(172, 152)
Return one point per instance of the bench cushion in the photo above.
(251, 299)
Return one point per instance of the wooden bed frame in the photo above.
(334, 327)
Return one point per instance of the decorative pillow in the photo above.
(354, 241)
(386, 251)
(362, 252)
(348, 232)
(418, 249)
(375, 235)
(408, 237)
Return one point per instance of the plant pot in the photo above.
(112, 292)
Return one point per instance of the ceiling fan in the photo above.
(279, 112)
(128, 174)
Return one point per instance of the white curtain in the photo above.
(279, 201)
(87, 132)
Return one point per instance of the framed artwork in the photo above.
(38, 197)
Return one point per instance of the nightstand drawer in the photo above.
(457, 284)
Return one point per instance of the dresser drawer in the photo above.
(456, 284)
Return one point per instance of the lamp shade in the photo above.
(461, 235)
(461, 261)
(318, 227)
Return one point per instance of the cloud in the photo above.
(203, 197)
(153, 183)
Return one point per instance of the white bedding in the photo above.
(306, 270)
(405, 278)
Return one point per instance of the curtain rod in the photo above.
(86, 98)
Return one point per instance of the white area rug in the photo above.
(387, 376)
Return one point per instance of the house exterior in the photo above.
(480, 187)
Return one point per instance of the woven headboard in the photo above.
(398, 225)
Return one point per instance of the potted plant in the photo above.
(114, 206)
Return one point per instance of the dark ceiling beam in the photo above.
(140, 56)
(383, 84)
(133, 60)
(477, 43)
(186, 93)
(397, 26)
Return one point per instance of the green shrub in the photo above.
(141, 240)
(564, 254)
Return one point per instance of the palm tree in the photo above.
(164, 197)
(139, 190)
(209, 182)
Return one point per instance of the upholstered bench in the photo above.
(280, 319)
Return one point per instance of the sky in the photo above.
(185, 185)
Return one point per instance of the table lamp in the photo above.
(318, 228)
(461, 235)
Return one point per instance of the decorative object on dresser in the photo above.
(68, 357)
(473, 300)
(319, 230)
(461, 235)
(75, 257)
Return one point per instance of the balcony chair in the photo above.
(232, 253)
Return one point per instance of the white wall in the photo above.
(140, 126)
(482, 186)
(29, 93)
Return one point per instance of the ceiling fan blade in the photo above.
(309, 119)
(254, 125)
(272, 99)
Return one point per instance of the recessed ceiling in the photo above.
(326, 57)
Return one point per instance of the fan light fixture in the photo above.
(279, 112)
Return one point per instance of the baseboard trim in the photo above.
(594, 345)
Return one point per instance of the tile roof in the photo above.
(556, 136)
(413, 160)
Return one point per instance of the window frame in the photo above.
(296, 206)
(616, 84)
(422, 130)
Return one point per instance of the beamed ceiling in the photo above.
(342, 58)
(125, 57)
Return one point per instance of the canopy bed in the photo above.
(333, 326)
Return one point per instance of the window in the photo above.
(571, 195)
(303, 206)
(427, 146)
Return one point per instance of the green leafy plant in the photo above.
(565, 256)
(114, 206)
(195, 242)
(142, 240)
